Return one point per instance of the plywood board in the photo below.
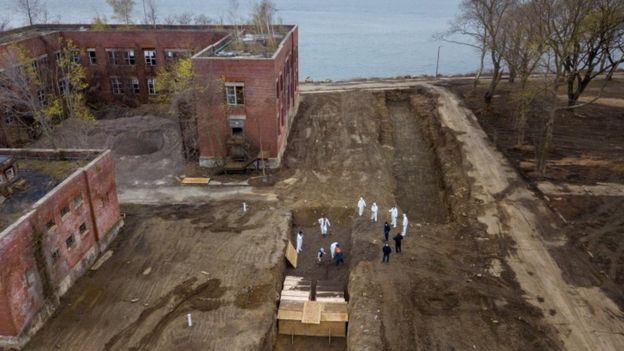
(195, 180)
(335, 329)
(312, 312)
(335, 312)
(291, 254)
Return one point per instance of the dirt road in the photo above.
(584, 316)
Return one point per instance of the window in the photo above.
(62, 86)
(150, 57)
(135, 85)
(43, 99)
(55, 255)
(92, 56)
(10, 173)
(30, 277)
(77, 201)
(174, 54)
(70, 241)
(121, 56)
(129, 58)
(75, 56)
(50, 224)
(235, 93)
(64, 211)
(116, 86)
(151, 86)
(83, 228)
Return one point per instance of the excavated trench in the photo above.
(408, 156)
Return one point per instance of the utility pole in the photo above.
(437, 62)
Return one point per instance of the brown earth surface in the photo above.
(484, 265)
(588, 151)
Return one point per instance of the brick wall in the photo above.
(37, 263)
(266, 100)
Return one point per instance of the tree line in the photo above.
(563, 45)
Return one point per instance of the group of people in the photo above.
(394, 214)
(336, 251)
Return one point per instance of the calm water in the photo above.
(339, 39)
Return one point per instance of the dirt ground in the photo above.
(588, 152)
(484, 263)
(214, 261)
(147, 149)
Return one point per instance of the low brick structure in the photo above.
(54, 241)
(251, 80)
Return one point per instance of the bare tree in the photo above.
(262, 19)
(150, 11)
(34, 10)
(122, 10)
(482, 20)
(185, 18)
(30, 92)
(585, 37)
(202, 19)
(4, 23)
(523, 50)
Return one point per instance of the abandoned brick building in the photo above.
(62, 214)
(250, 80)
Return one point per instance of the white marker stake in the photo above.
(189, 321)
(244, 207)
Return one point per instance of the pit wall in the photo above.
(363, 304)
(31, 279)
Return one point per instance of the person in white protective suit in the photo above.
(374, 210)
(361, 205)
(405, 222)
(299, 241)
(324, 224)
(394, 213)
(332, 249)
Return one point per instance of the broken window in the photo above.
(77, 201)
(174, 54)
(121, 56)
(10, 173)
(50, 224)
(135, 86)
(116, 86)
(151, 86)
(70, 242)
(62, 86)
(129, 58)
(92, 56)
(235, 93)
(43, 99)
(64, 211)
(75, 56)
(150, 57)
(83, 228)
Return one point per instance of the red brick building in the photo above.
(55, 240)
(251, 80)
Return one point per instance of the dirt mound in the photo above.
(147, 149)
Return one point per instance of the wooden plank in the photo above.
(101, 260)
(195, 180)
(335, 329)
(312, 312)
(291, 254)
(289, 315)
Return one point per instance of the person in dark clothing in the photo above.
(339, 255)
(397, 242)
(386, 253)
(386, 230)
